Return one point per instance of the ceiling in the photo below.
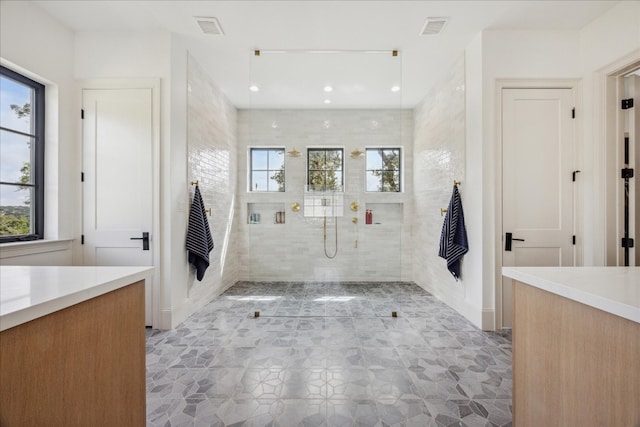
(296, 79)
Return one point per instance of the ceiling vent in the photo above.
(209, 25)
(433, 26)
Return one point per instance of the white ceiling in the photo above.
(296, 80)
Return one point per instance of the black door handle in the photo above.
(508, 238)
(145, 240)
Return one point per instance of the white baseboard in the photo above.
(488, 319)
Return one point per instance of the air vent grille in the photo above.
(209, 25)
(433, 26)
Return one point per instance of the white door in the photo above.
(118, 180)
(537, 188)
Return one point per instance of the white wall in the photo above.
(113, 56)
(211, 123)
(517, 56)
(440, 156)
(294, 251)
(535, 55)
(607, 40)
(31, 53)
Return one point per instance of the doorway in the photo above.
(120, 194)
(622, 217)
(537, 133)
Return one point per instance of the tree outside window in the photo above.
(21, 157)
(383, 169)
(267, 169)
(324, 169)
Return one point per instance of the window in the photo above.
(324, 169)
(383, 169)
(267, 169)
(21, 157)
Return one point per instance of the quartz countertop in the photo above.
(615, 290)
(30, 292)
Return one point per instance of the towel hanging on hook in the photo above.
(453, 238)
(199, 240)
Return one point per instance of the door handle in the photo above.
(508, 238)
(145, 240)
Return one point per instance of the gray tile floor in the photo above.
(327, 354)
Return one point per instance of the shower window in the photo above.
(325, 171)
(383, 169)
(22, 153)
(266, 169)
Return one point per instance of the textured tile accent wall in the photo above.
(212, 160)
(295, 250)
(439, 150)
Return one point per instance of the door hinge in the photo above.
(81, 176)
(82, 113)
(574, 239)
(627, 242)
(573, 113)
(627, 173)
(627, 103)
(82, 239)
(573, 175)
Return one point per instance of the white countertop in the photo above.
(615, 290)
(27, 293)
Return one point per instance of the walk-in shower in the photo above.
(329, 105)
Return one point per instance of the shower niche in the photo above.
(266, 213)
(385, 214)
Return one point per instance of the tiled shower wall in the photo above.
(212, 159)
(295, 250)
(439, 150)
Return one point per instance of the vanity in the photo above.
(72, 346)
(576, 346)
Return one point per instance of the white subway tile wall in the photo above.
(212, 160)
(439, 149)
(295, 250)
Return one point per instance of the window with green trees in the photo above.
(267, 169)
(383, 169)
(325, 171)
(21, 157)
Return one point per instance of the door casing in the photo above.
(502, 84)
(154, 85)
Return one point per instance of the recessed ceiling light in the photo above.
(254, 88)
(328, 88)
(395, 88)
(327, 101)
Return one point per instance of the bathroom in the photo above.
(448, 135)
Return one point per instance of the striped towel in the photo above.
(199, 240)
(453, 238)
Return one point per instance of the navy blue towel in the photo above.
(453, 238)
(199, 240)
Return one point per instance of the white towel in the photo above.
(199, 240)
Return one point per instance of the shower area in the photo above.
(325, 170)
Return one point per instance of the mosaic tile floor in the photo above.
(328, 354)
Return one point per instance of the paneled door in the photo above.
(537, 189)
(118, 193)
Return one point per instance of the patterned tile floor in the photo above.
(328, 354)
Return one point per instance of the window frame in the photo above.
(399, 170)
(251, 169)
(342, 166)
(38, 153)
